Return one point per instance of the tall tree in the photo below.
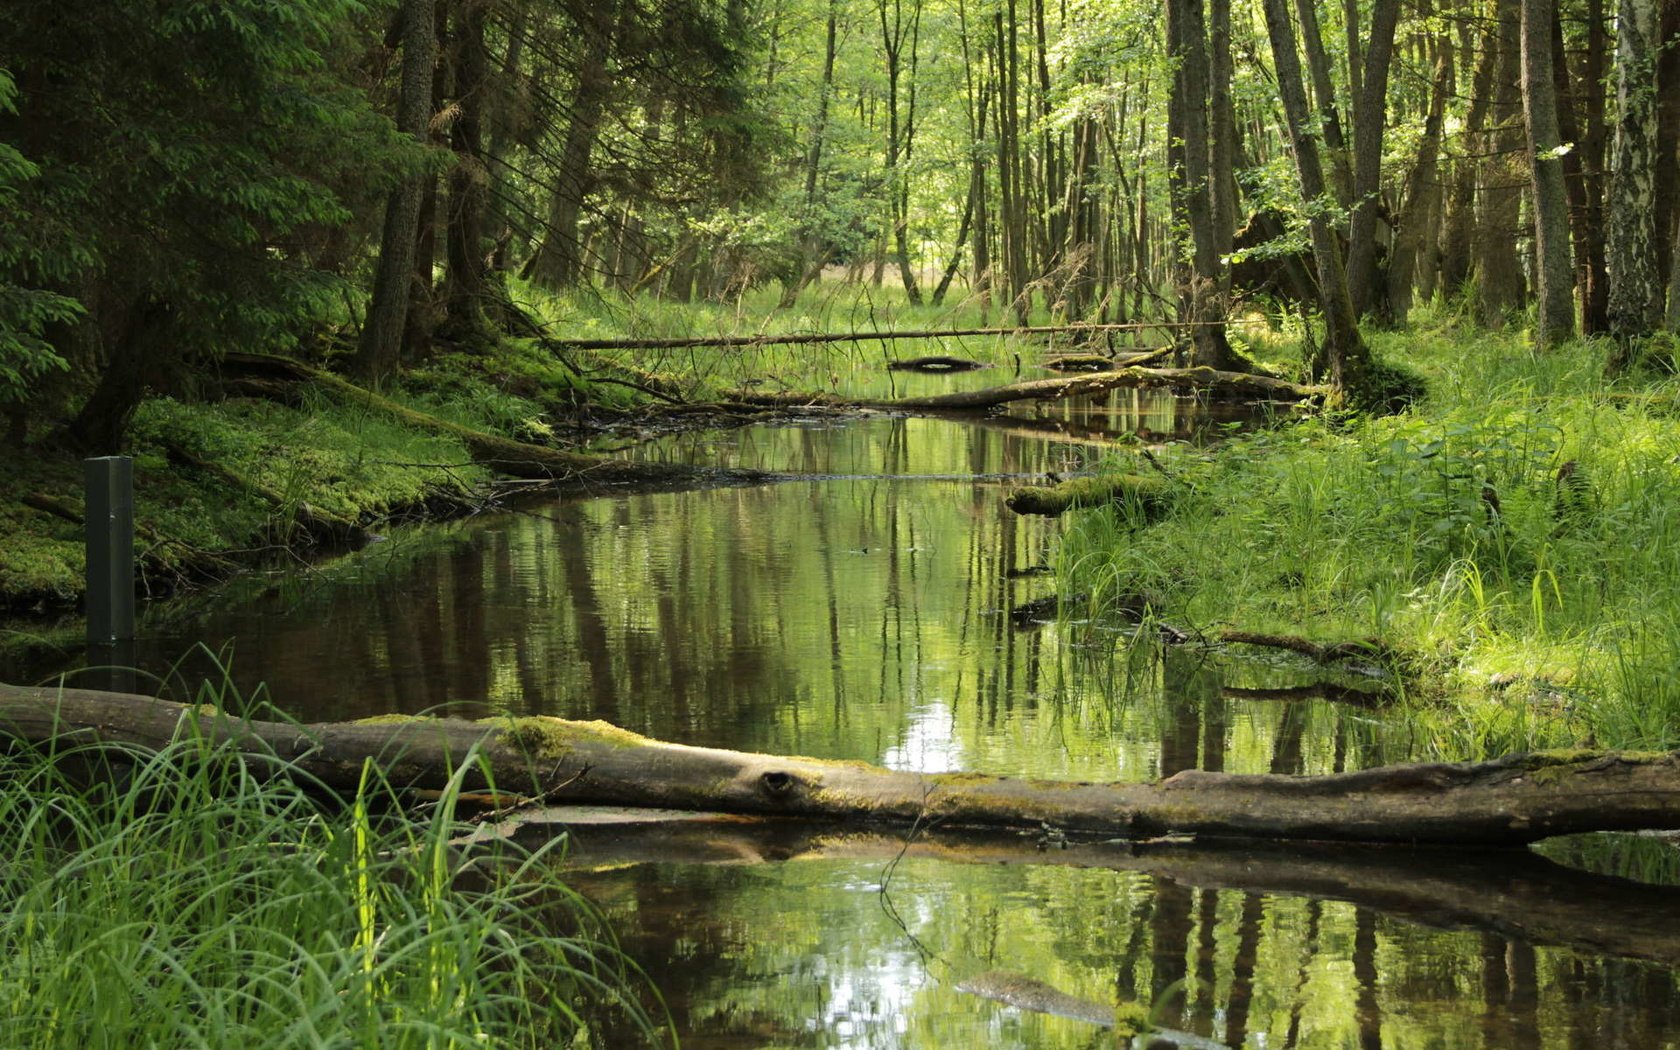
(1347, 358)
(1192, 197)
(1370, 115)
(900, 39)
(1636, 290)
(1499, 273)
(1554, 272)
(380, 345)
(466, 273)
(187, 162)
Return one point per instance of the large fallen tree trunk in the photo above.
(1214, 383)
(809, 338)
(1516, 799)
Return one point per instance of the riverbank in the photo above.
(244, 471)
(1514, 538)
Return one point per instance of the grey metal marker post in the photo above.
(110, 549)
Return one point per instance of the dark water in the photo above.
(868, 615)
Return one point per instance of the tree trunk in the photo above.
(1667, 169)
(1222, 134)
(1595, 293)
(1456, 250)
(1499, 276)
(1370, 114)
(465, 261)
(1554, 274)
(1188, 156)
(380, 345)
(1348, 359)
(1636, 292)
(559, 262)
(1422, 197)
(1509, 801)
(1324, 94)
(811, 253)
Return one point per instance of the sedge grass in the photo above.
(173, 898)
(1518, 534)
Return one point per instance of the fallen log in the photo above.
(934, 363)
(1208, 381)
(1104, 362)
(1150, 495)
(1324, 653)
(503, 455)
(809, 338)
(1516, 799)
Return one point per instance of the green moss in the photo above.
(1131, 1019)
(392, 719)
(1559, 764)
(546, 737)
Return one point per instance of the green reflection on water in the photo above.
(869, 617)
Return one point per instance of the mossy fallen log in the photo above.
(1152, 496)
(503, 455)
(1515, 799)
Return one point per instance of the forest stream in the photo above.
(871, 613)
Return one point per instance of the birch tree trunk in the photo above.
(1636, 292)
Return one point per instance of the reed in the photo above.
(176, 898)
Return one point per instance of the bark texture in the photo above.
(1554, 271)
(380, 344)
(1512, 800)
(1636, 290)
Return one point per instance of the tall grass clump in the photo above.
(1517, 534)
(177, 898)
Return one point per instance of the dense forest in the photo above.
(1196, 479)
(364, 182)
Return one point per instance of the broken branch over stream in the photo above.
(1214, 383)
(809, 338)
(1516, 799)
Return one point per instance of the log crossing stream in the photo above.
(870, 615)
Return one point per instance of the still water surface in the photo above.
(867, 614)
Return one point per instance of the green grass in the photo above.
(1546, 610)
(172, 898)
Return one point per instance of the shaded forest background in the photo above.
(362, 183)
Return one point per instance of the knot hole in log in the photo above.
(776, 783)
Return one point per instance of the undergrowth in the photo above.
(1517, 534)
(176, 898)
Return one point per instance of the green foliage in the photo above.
(25, 313)
(176, 899)
(1455, 533)
(189, 158)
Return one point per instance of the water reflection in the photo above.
(868, 616)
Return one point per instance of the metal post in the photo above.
(110, 549)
